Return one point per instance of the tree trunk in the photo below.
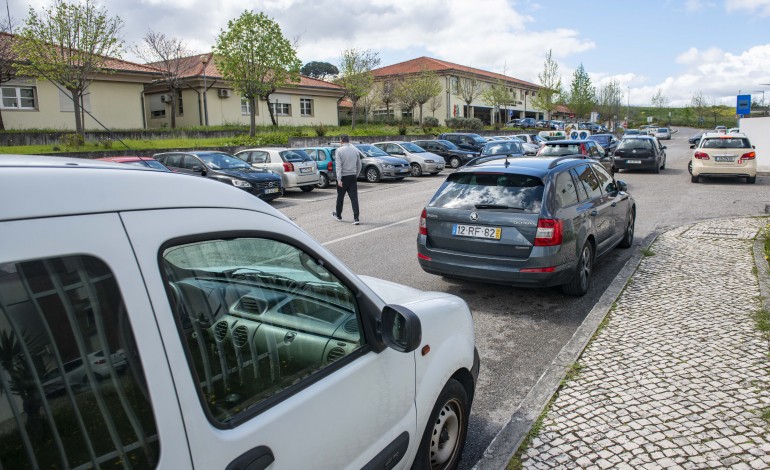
(421, 114)
(270, 109)
(353, 117)
(253, 116)
(2, 124)
(173, 108)
(75, 93)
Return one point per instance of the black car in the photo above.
(695, 139)
(608, 141)
(531, 222)
(226, 168)
(464, 140)
(499, 149)
(639, 152)
(454, 155)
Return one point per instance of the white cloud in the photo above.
(761, 7)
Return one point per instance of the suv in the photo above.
(421, 160)
(225, 168)
(452, 154)
(242, 336)
(296, 168)
(639, 152)
(466, 141)
(719, 154)
(529, 222)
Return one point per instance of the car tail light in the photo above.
(549, 269)
(422, 256)
(329, 166)
(701, 155)
(424, 222)
(100, 361)
(749, 156)
(287, 166)
(549, 232)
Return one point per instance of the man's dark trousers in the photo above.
(349, 186)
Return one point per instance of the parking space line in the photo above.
(365, 232)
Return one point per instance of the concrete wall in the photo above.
(117, 105)
(758, 132)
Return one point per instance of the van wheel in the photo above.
(455, 162)
(751, 179)
(416, 169)
(444, 437)
(578, 286)
(372, 175)
(323, 181)
(307, 189)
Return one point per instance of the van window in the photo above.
(505, 191)
(72, 388)
(259, 318)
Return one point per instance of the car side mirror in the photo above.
(622, 186)
(692, 146)
(400, 328)
(753, 146)
(198, 169)
(663, 147)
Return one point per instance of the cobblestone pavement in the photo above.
(680, 376)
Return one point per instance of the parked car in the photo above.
(608, 141)
(632, 132)
(148, 162)
(466, 141)
(585, 147)
(452, 154)
(420, 160)
(663, 133)
(719, 154)
(224, 168)
(543, 124)
(721, 129)
(695, 139)
(71, 376)
(527, 122)
(526, 224)
(509, 148)
(324, 160)
(533, 139)
(557, 125)
(244, 336)
(296, 168)
(378, 165)
(513, 123)
(101, 365)
(640, 153)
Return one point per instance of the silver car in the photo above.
(378, 165)
(296, 168)
(420, 160)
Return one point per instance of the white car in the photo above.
(420, 160)
(721, 154)
(248, 343)
(663, 133)
(296, 168)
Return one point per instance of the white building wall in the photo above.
(758, 132)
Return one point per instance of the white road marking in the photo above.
(411, 219)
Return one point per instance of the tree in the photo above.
(700, 105)
(319, 70)
(7, 70)
(550, 80)
(582, 94)
(356, 75)
(434, 104)
(609, 101)
(421, 88)
(69, 44)
(257, 59)
(467, 89)
(659, 100)
(497, 95)
(172, 58)
(405, 96)
(386, 94)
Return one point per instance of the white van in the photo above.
(230, 338)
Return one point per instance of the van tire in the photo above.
(444, 436)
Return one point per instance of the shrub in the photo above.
(73, 140)
(402, 128)
(107, 143)
(473, 124)
(429, 122)
(320, 130)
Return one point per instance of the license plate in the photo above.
(634, 161)
(305, 170)
(476, 231)
(724, 158)
(271, 190)
(405, 170)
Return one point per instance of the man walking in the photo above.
(348, 167)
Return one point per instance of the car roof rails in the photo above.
(558, 160)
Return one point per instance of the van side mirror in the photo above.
(400, 328)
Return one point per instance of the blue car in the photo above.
(324, 158)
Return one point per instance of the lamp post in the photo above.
(205, 61)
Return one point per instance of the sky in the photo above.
(719, 48)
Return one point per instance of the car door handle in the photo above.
(258, 458)
(614, 204)
(593, 213)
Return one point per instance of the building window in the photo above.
(245, 107)
(19, 97)
(382, 114)
(281, 109)
(306, 107)
(180, 109)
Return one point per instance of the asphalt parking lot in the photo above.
(519, 332)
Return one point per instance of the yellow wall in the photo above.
(116, 104)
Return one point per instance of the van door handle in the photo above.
(593, 213)
(258, 458)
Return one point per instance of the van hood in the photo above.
(394, 293)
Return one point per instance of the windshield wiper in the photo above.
(496, 206)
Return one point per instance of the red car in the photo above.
(138, 161)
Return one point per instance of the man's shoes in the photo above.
(356, 222)
(336, 217)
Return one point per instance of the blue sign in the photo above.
(743, 107)
(510, 113)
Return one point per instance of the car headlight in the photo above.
(429, 161)
(388, 166)
(241, 184)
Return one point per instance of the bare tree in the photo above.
(405, 96)
(420, 88)
(356, 75)
(434, 104)
(172, 58)
(700, 105)
(387, 95)
(609, 101)
(7, 70)
(467, 89)
(497, 95)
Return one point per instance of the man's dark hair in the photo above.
(344, 138)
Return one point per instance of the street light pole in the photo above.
(205, 61)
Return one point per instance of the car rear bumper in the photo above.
(714, 169)
(295, 180)
(625, 163)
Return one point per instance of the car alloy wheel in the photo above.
(372, 175)
(578, 286)
(416, 169)
(323, 181)
(455, 162)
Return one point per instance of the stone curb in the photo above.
(510, 437)
(763, 271)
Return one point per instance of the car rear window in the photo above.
(635, 144)
(295, 156)
(726, 143)
(502, 190)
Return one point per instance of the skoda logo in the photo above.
(474, 216)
